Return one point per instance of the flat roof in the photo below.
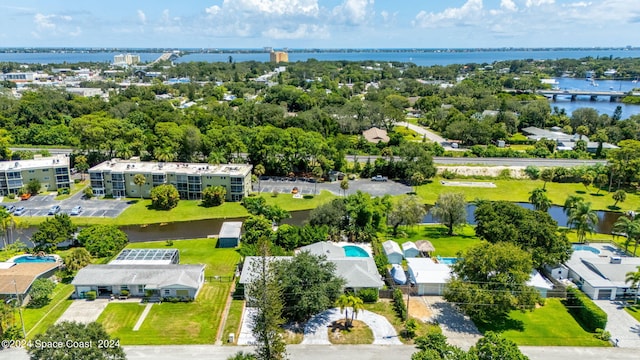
(145, 256)
(134, 166)
(23, 274)
(230, 229)
(426, 271)
(37, 163)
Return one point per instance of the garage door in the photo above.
(604, 294)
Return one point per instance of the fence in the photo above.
(219, 278)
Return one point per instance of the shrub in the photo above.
(585, 311)
(11, 196)
(63, 191)
(602, 334)
(410, 328)
(124, 292)
(90, 295)
(399, 305)
(88, 192)
(533, 172)
(213, 196)
(504, 174)
(368, 296)
(164, 197)
(448, 174)
(169, 243)
(76, 181)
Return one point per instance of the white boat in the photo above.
(398, 274)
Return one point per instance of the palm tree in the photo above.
(346, 301)
(164, 154)
(356, 306)
(631, 228)
(343, 303)
(570, 204)
(539, 199)
(583, 219)
(344, 185)
(139, 180)
(633, 277)
(259, 171)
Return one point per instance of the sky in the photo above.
(319, 23)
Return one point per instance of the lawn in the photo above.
(633, 310)
(518, 190)
(384, 307)
(550, 325)
(358, 333)
(232, 325)
(38, 320)
(463, 238)
(75, 188)
(221, 262)
(120, 318)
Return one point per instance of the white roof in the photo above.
(598, 271)
(409, 245)
(230, 229)
(137, 167)
(391, 247)
(37, 163)
(426, 271)
(538, 281)
(326, 248)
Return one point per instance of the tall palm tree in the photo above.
(583, 219)
(631, 228)
(259, 170)
(633, 277)
(343, 303)
(357, 305)
(570, 204)
(7, 224)
(539, 199)
(139, 179)
(346, 301)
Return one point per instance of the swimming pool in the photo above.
(586, 248)
(354, 251)
(33, 259)
(447, 260)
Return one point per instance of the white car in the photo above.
(76, 211)
(19, 211)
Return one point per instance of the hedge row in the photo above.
(585, 311)
(399, 305)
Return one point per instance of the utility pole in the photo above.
(19, 305)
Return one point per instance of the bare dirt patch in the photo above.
(418, 309)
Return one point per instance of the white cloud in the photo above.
(303, 31)
(580, 4)
(354, 12)
(469, 10)
(44, 22)
(213, 10)
(508, 5)
(274, 7)
(54, 25)
(532, 3)
(77, 32)
(142, 17)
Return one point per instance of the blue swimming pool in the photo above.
(33, 259)
(447, 260)
(586, 248)
(354, 251)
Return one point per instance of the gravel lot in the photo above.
(375, 188)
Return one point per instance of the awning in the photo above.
(425, 246)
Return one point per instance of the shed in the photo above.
(410, 250)
(425, 247)
(393, 251)
(230, 234)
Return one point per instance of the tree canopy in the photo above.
(102, 240)
(53, 231)
(451, 210)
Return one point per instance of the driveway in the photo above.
(84, 311)
(375, 188)
(316, 329)
(458, 328)
(620, 324)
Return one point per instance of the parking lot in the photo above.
(39, 205)
(305, 187)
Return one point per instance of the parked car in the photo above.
(75, 211)
(54, 210)
(19, 211)
(9, 208)
(25, 196)
(379, 178)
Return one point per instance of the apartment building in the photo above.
(52, 172)
(126, 59)
(278, 57)
(115, 178)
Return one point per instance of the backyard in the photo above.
(38, 320)
(549, 325)
(446, 245)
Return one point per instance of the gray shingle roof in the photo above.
(160, 275)
(326, 248)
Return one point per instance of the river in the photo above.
(603, 105)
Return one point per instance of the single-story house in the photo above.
(18, 278)
(392, 251)
(410, 250)
(326, 248)
(358, 272)
(558, 271)
(184, 281)
(375, 135)
(230, 234)
(429, 277)
(601, 277)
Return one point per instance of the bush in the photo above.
(124, 292)
(176, 299)
(164, 197)
(169, 243)
(90, 295)
(76, 181)
(11, 196)
(368, 296)
(399, 305)
(88, 192)
(585, 311)
(410, 328)
(448, 174)
(533, 172)
(602, 334)
(213, 196)
(505, 174)
(63, 191)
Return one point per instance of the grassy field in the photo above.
(182, 323)
(518, 190)
(232, 325)
(358, 333)
(463, 238)
(550, 325)
(37, 321)
(75, 188)
(633, 310)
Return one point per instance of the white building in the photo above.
(126, 60)
(601, 277)
(410, 250)
(393, 252)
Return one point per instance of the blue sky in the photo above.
(320, 23)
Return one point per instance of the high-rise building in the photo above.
(126, 59)
(278, 56)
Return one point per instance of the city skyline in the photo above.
(321, 24)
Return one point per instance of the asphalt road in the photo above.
(337, 352)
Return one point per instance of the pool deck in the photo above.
(606, 249)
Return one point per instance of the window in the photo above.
(31, 171)
(235, 180)
(61, 171)
(45, 170)
(236, 188)
(167, 292)
(124, 287)
(140, 288)
(117, 177)
(46, 178)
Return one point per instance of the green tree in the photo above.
(213, 196)
(92, 334)
(582, 131)
(140, 180)
(538, 197)
(7, 321)
(265, 293)
(571, 202)
(587, 180)
(259, 170)
(53, 231)
(492, 346)
(40, 292)
(451, 210)
(417, 179)
(495, 275)
(583, 219)
(619, 196)
(81, 165)
(77, 259)
(33, 186)
(310, 285)
(255, 228)
(408, 211)
(633, 279)
(344, 185)
(164, 197)
(346, 301)
(317, 174)
(102, 240)
(630, 228)
(434, 346)
(601, 181)
(547, 175)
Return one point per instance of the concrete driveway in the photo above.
(458, 328)
(620, 324)
(84, 311)
(316, 329)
